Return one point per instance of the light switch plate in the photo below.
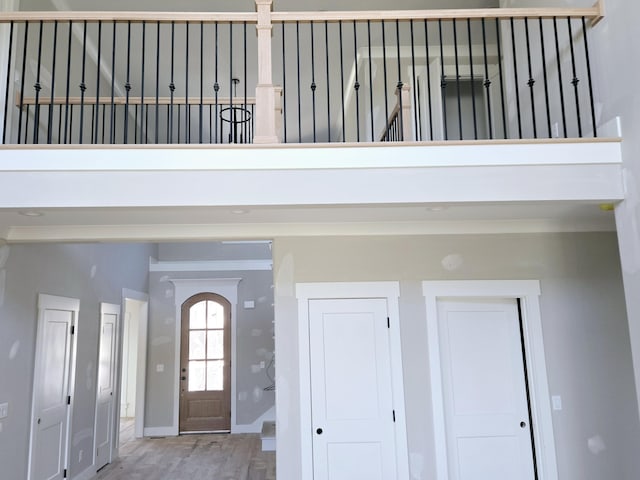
(248, 304)
(4, 410)
(160, 367)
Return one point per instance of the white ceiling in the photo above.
(158, 224)
(249, 5)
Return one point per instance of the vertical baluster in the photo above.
(7, 84)
(26, 127)
(216, 85)
(575, 80)
(344, 139)
(98, 62)
(415, 84)
(473, 80)
(66, 110)
(313, 81)
(93, 116)
(428, 62)
(356, 86)
(326, 49)
(502, 100)
(515, 75)
(531, 81)
(299, 90)
(200, 112)
(104, 121)
(127, 87)
(157, 109)
(587, 58)
(244, 110)
(456, 59)
(146, 123)
(172, 86)
(37, 87)
(210, 123)
(232, 130)
(83, 86)
(53, 84)
(443, 84)
(112, 119)
(544, 75)
(59, 124)
(487, 80)
(284, 86)
(187, 109)
(373, 132)
(384, 70)
(22, 79)
(142, 102)
(179, 122)
(135, 122)
(71, 124)
(400, 84)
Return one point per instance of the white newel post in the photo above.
(265, 126)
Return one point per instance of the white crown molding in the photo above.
(211, 265)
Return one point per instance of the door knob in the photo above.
(319, 431)
(523, 424)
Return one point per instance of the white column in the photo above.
(265, 125)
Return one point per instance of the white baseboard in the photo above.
(88, 474)
(256, 427)
(160, 432)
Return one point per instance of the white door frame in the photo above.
(344, 290)
(528, 292)
(60, 303)
(141, 368)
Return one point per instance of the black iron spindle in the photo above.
(187, 110)
(93, 115)
(231, 84)
(244, 114)
(443, 84)
(37, 87)
(373, 132)
(473, 80)
(284, 86)
(487, 80)
(456, 59)
(127, 87)
(384, 69)
(26, 127)
(587, 58)
(98, 61)
(112, 119)
(157, 109)
(400, 84)
(200, 109)
(515, 75)
(179, 122)
(545, 78)
(313, 81)
(356, 86)
(344, 139)
(216, 85)
(299, 90)
(53, 83)
(531, 81)
(135, 121)
(60, 124)
(83, 86)
(6, 95)
(326, 50)
(575, 80)
(172, 85)
(415, 84)
(142, 102)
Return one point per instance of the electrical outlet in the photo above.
(4, 410)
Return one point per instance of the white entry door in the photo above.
(485, 396)
(105, 402)
(52, 387)
(351, 390)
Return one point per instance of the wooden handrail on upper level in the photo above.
(595, 14)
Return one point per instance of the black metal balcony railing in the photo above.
(341, 77)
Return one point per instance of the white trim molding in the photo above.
(184, 289)
(528, 292)
(390, 291)
(211, 266)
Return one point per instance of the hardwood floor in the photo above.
(192, 457)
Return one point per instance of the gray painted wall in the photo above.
(90, 272)
(254, 331)
(584, 323)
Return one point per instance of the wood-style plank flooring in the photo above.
(190, 457)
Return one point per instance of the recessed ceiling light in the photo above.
(31, 213)
(239, 211)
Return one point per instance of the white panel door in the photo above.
(52, 387)
(105, 402)
(351, 390)
(487, 415)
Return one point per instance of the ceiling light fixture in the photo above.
(30, 213)
(239, 211)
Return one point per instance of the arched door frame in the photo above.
(185, 289)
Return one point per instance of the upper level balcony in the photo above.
(475, 105)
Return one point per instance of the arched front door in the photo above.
(205, 364)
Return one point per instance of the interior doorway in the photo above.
(205, 366)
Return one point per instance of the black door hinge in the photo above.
(388, 323)
(65, 473)
(73, 329)
(394, 416)
(69, 400)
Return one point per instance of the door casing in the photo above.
(345, 290)
(528, 292)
